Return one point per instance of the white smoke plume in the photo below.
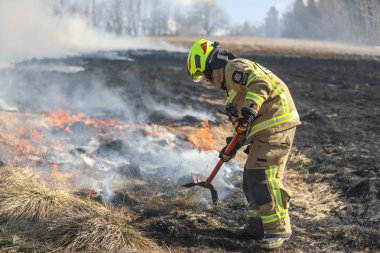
(28, 29)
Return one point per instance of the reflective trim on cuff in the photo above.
(253, 214)
(231, 96)
(275, 217)
(255, 98)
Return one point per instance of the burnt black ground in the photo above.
(338, 101)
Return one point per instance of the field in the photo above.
(334, 171)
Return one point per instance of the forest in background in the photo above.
(355, 21)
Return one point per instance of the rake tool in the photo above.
(207, 184)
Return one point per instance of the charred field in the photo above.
(123, 152)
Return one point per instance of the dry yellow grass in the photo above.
(315, 196)
(85, 228)
(272, 46)
(25, 196)
(57, 219)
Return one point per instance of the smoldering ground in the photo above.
(335, 183)
(69, 101)
(334, 174)
(72, 87)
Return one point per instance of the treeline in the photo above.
(147, 17)
(338, 20)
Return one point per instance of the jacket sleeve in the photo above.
(258, 91)
(249, 81)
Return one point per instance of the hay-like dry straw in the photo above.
(24, 196)
(57, 219)
(94, 229)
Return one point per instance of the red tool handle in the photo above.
(229, 148)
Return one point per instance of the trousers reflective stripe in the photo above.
(255, 98)
(275, 185)
(275, 217)
(231, 96)
(253, 214)
(273, 122)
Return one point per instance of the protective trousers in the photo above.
(268, 199)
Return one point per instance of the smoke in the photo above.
(97, 157)
(28, 29)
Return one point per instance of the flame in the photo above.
(62, 119)
(90, 194)
(59, 148)
(203, 138)
(36, 134)
(60, 175)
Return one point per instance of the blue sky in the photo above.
(246, 10)
(252, 10)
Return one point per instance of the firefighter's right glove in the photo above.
(244, 121)
(227, 157)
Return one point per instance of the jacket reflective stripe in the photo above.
(231, 96)
(264, 69)
(252, 213)
(263, 72)
(280, 93)
(273, 122)
(275, 185)
(255, 75)
(275, 217)
(255, 98)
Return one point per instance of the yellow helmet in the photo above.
(200, 53)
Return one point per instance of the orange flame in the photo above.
(36, 134)
(203, 138)
(62, 119)
(60, 175)
(58, 147)
(90, 194)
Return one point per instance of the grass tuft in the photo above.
(33, 209)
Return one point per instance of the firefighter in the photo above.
(261, 108)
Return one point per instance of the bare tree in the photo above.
(116, 17)
(133, 17)
(93, 13)
(272, 24)
(209, 16)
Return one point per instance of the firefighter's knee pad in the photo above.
(256, 184)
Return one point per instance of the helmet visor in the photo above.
(198, 76)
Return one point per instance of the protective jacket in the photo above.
(250, 85)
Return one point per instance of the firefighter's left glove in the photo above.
(227, 157)
(244, 121)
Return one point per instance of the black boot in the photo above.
(252, 230)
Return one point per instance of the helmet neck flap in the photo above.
(218, 59)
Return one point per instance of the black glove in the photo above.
(227, 157)
(230, 111)
(244, 121)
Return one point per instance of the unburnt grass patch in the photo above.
(34, 210)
